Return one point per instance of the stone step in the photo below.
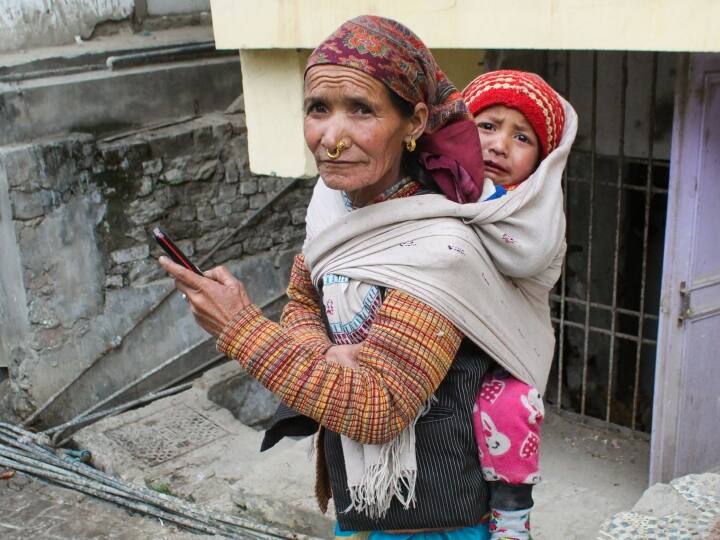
(280, 490)
(686, 508)
(114, 82)
(115, 374)
(193, 446)
(101, 101)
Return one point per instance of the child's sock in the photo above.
(510, 506)
(510, 524)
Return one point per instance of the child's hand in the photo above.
(345, 355)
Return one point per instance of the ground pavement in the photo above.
(194, 446)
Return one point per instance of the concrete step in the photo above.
(98, 87)
(117, 378)
(196, 448)
(280, 490)
(103, 101)
(78, 53)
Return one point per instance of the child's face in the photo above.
(510, 147)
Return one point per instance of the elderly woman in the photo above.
(400, 299)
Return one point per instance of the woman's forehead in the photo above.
(333, 78)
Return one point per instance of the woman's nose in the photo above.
(334, 132)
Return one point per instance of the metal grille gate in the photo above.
(605, 307)
(617, 331)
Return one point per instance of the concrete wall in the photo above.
(105, 100)
(37, 23)
(14, 325)
(275, 112)
(174, 7)
(80, 265)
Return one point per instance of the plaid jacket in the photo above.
(406, 355)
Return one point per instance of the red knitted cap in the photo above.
(525, 92)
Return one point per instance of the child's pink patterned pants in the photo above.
(507, 417)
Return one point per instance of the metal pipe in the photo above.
(151, 127)
(618, 212)
(151, 396)
(170, 54)
(591, 197)
(646, 229)
(54, 72)
(86, 417)
(606, 332)
(109, 494)
(38, 460)
(626, 187)
(606, 307)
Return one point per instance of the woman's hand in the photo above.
(345, 355)
(214, 299)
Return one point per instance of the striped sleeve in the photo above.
(301, 317)
(402, 361)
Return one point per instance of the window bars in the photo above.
(605, 307)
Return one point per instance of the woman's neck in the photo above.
(400, 188)
(367, 194)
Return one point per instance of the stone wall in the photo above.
(79, 260)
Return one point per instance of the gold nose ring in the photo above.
(339, 149)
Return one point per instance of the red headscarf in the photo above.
(391, 53)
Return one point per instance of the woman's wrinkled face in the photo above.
(344, 104)
(510, 147)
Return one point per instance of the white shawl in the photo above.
(487, 266)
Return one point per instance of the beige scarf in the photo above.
(487, 266)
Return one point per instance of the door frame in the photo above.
(672, 353)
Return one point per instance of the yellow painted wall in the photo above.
(273, 92)
(276, 36)
(461, 66)
(666, 25)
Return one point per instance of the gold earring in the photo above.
(410, 145)
(339, 149)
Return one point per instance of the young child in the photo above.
(520, 120)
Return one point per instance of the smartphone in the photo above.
(174, 252)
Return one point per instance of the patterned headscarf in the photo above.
(391, 53)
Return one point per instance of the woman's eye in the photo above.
(363, 109)
(316, 108)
